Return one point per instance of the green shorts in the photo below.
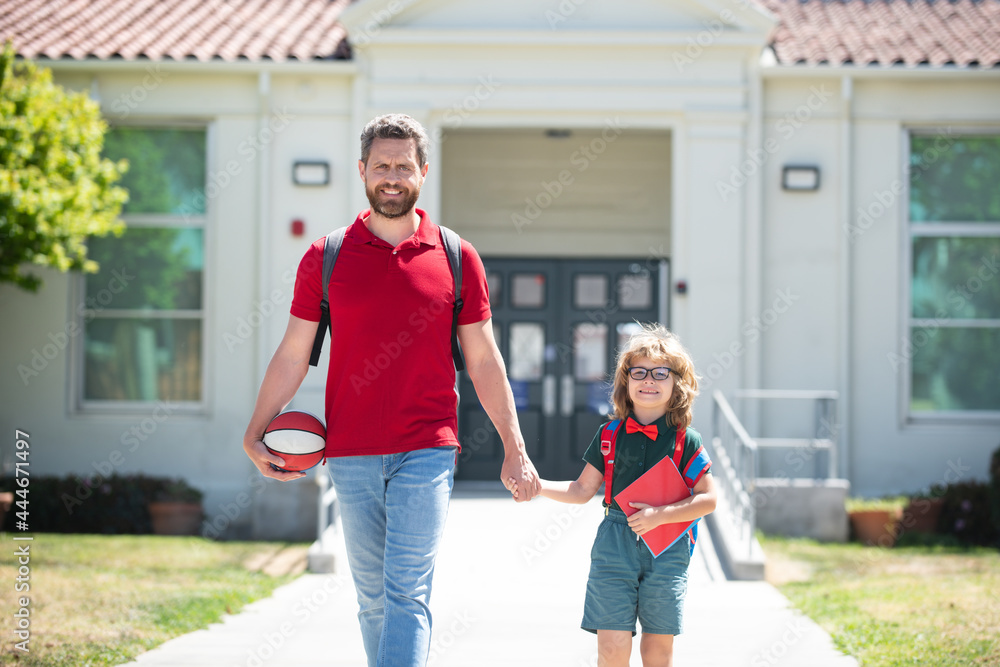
(627, 583)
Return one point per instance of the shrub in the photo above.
(892, 504)
(177, 490)
(966, 513)
(118, 504)
(56, 188)
(995, 488)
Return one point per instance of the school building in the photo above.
(806, 192)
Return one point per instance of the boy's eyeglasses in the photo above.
(660, 373)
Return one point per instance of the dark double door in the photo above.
(558, 324)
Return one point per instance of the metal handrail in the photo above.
(825, 429)
(734, 456)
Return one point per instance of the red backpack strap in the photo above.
(608, 436)
(679, 447)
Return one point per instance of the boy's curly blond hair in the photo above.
(662, 347)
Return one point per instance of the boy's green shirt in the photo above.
(635, 453)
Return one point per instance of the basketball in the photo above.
(297, 437)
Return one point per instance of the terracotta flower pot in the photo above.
(921, 515)
(6, 500)
(875, 527)
(171, 518)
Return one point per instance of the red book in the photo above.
(660, 485)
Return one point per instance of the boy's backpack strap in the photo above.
(679, 447)
(609, 434)
(453, 247)
(331, 248)
(678, 453)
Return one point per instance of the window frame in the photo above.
(910, 231)
(79, 315)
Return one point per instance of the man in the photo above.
(391, 407)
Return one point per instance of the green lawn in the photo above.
(102, 600)
(916, 605)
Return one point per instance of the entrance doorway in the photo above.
(558, 324)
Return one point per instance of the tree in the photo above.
(55, 187)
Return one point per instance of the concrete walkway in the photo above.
(508, 591)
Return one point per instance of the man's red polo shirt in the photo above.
(391, 382)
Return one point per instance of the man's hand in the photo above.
(518, 472)
(263, 459)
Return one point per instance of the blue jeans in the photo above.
(393, 510)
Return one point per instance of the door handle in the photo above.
(567, 395)
(549, 395)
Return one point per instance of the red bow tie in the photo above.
(631, 426)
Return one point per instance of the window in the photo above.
(143, 312)
(953, 342)
(527, 290)
(527, 351)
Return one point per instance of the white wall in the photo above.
(890, 452)
(796, 318)
(255, 134)
(803, 238)
(600, 192)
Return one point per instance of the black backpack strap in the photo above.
(453, 248)
(331, 248)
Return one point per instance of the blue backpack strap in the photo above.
(331, 248)
(453, 248)
(678, 453)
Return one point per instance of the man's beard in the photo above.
(393, 208)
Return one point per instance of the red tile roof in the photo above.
(965, 33)
(175, 29)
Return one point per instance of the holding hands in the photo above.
(520, 478)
